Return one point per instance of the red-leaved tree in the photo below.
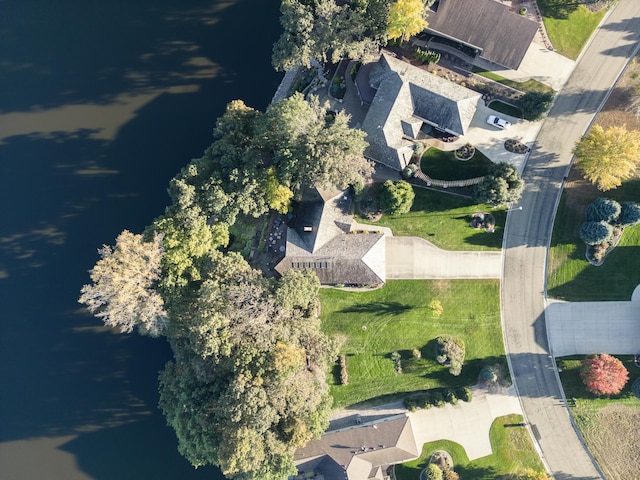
(603, 374)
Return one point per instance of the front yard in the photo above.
(512, 447)
(443, 219)
(398, 318)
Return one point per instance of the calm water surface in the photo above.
(101, 103)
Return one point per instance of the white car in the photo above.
(501, 123)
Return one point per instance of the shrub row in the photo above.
(426, 56)
(437, 397)
(344, 375)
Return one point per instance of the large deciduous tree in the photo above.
(123, 293)
(309, 147)
(406, 18)
(607, 157)
(326, 30)
(249, 370)
(603, 374)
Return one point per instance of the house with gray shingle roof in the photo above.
(487, 26)
(361, 452)
(406, 99)
(325, 240)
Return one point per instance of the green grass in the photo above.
(443, 219)
(528, 86)
(570, 276)
(443, 165)
(569, 28)
(607, 421)
(397, 318)
(512, 447)
(505, 108)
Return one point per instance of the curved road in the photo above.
(528, 233)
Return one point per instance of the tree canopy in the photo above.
(503, 185)
(603, 374)
(406, 18)
(123, 292)
(396, 197)
(607, 157)
(327, 30)
(247, 385)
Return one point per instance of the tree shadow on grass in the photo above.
(378, 308)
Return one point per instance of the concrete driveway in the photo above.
(415, 258)
(582, 328)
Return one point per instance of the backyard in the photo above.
(511, 444)
(444, 220)
(398, 318)
(607, 424)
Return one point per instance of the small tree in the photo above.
(436, 307)
(595, 233)
(450, 350)
(396, 197)
(503, 185)
(629, 214)
(607, 157)
(406, 18)
(535, 105)
(603, 374)
(603, 209)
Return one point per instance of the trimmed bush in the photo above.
(410, 170)
(535, 105)
(433, 472)
(465, 394)
(344, 375)
(397, 362)
(603, 210)
(629, 214)
(396, 197)
(595, 233)
(437, 399)
(450, 396)
(489, 373)
(416, 353)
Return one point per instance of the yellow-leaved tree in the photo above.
(406, 18)
(607, 157)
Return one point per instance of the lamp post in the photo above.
(515, 208)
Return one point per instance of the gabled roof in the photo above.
(502, 35)
(323, 241)
(406, 98)
(360, 451)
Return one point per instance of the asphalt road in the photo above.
(528, 233)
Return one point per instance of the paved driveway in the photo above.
(582, 328)
(415, 258)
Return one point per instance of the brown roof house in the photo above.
(487, 26)
(326, 240)
(359, 453)
(406, 98)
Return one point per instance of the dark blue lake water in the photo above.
(101, 103)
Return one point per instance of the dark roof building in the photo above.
(324, 241)
(360, 453)
(406, 98)
(501, 36)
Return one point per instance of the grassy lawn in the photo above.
(397, 318)
(570, 277)
(528, 86)
(443, 165)
(505, 108)
(605, 422)
(513, 453)
(569, 26)
(443, 219)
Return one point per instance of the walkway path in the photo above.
(527, 237)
